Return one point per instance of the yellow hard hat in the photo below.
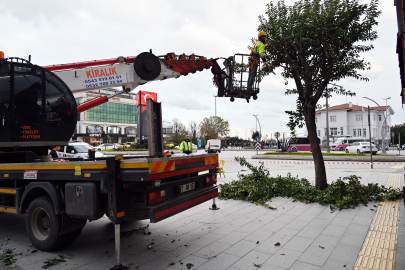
(262, 33)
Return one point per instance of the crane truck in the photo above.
(38, 111)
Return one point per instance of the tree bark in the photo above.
(320, 172)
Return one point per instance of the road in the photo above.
(224, 239)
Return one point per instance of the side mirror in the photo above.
(73, 151)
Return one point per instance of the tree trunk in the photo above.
(320, 172)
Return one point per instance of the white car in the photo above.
(361, 147)
(77, 150)
(105, 146)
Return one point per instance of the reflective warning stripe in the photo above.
(161, 166)
(8, 210)
(8, 191)
(211, 160)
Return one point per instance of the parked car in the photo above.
(361, 147)
(104, 146)
(341, 145)
(117, 146)
(125, 145)
(76, 150)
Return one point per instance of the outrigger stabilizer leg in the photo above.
(214, 206)
(118, 266)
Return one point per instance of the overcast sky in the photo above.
(56, 32)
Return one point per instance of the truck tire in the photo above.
(43, 224)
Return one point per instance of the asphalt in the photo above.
(238, 236)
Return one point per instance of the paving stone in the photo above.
(333, 264)
(299, 243)
(326, 241)
(319, 223)
(222, 261)
(251, 227)
(214, 249)
(304, 266)
(226, 229)
(283, 237)
(362, 220)
(284, 258)
(307, 216)
(400, 258)
(194, 260)
(327, 214)
(234, 237)
(241, 248)
(315, 255)
(334, 230)
(339, 221)
(296, 225)
(259, 235)
(345, 253)
(352, 239)
(286, 218)
(205, 240)
(310, 232)
(247, 261)
(358, 229)
(347, 213)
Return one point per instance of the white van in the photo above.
(77, 150)
(213, 146)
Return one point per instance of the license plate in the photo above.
(187, 187)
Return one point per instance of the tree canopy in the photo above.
(315, 43)
(213, 127)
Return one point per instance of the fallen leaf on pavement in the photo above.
(282, 254)
(257, 265)
(173, 241)
(277, 244)
(321, 247)
(257, 242)
(171, 263)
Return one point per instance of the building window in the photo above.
(333, 131)
(359, 132)
(354, 132)
(333, 118)
(114, 113)
(319, 133)
(341, 131)
(379, 117)
(113, 130)
(364, 132)
(359, 117)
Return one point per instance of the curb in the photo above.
(329, 158)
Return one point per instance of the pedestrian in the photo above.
(256, 53)
(186, 146)
(53, 153)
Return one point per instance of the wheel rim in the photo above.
(40, 224)
(347, 151)
(341, 149)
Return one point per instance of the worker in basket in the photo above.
(186, 146)
(256, 53)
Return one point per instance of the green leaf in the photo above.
(189, 265)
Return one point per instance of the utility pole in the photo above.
(369, 131)
(255, 115)
(327, 126)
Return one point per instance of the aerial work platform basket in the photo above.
(232, 79)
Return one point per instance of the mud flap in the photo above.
(168, 209)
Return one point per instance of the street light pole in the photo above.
(327, 126)
(386, 115)
(255, 115)
(382, 132)
(216, 130)
(369, 131)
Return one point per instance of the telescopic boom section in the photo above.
(128, 73)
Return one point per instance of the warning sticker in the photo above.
(78, 170)
(30, 174)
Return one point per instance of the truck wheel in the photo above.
(43, 224)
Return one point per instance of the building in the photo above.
(349, 119)
(115, 121)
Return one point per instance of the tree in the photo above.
(255, 134)
(400, 128)
(179, 131)
(212, 127)
(193, 131)
(316, 42)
